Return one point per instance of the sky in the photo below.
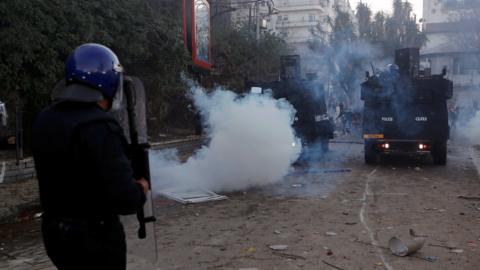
(386, 5)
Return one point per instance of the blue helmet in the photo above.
(95, 66)
(393, 68)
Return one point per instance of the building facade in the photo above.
(450, 42)
(298, 22)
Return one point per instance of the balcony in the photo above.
(303, 5)
(466, 80)
(297, 23)
(288, 3)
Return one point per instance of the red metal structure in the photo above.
(196, 18)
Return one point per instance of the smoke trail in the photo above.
(250, 144)
(464, 116)
(472, 129)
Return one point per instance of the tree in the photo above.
(37, 36)
(343, 53)
(378, 33)
(364, 20)
(401, 29)
(347, 51)
(239, 58)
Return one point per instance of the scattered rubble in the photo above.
(406, 247)
(469, 198)
(192, 196)
(278, 247)
(332, 265)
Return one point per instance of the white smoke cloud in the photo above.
(472, 129)
(250, 145)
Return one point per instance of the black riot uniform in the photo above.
(85, 181)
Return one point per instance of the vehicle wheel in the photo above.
(439, 153)
(370, 154)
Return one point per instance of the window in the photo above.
(451, 3)
(312, 18)
(460, 4)
(468, 64)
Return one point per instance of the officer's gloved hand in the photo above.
(145, 185)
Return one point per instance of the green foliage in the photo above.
(400, 30)
(347, 48)
(240, 58)
(342, 54)
(364, 19)
(37, 36)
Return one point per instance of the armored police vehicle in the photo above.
(312, 123)
(406, 111)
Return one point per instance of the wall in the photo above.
(18, 190)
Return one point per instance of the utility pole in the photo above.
(257, 16)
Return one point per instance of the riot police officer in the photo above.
(84, 174)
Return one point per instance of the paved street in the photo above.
(339, 214)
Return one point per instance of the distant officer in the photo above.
(84, 175)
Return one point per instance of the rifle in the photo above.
(373, 68)
(138, 149)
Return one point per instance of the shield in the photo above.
(142, 253)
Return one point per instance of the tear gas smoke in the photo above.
(472, 129)
(465, 118)
(341, 67)
(464, 108)
(250, 144)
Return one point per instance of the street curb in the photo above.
(19, 187)
(346, 142)
(187, 139)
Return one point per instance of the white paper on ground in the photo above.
(192, 195)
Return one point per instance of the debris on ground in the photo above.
(469, 198)
(331, 234)
(472, 244)
(447, 246)
(415, 234)
(404, 247)
(457, 251)
(289, 256)
(278, 247)
(319, 171)
(192, 196)
(332, 265)
(431, 258)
